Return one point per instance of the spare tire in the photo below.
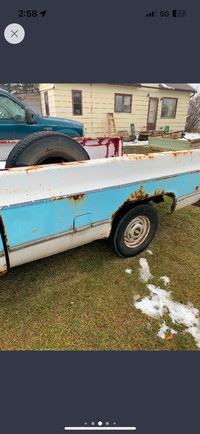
(45, 148)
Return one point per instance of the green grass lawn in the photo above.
(83, 299)
(138, 150)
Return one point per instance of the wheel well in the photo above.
(123, 209)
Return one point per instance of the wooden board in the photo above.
(168, 144)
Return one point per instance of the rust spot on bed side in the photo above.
(159, 192)
(76, 197)
(35, 230)
(134, 197)
(138, 195)
(197, 187)
(151, 156)
(140, 157)
(32, 168)
(71, 163)
(55, 199)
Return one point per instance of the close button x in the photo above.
(14, 33)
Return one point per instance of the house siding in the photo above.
(99, 99)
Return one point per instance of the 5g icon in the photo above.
(164, 13)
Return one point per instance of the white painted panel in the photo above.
(187, 200)
(57, 245)
(38, 182)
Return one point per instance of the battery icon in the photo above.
(179, 13)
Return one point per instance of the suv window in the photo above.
(10, 109)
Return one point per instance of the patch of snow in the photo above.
(194, 331)
(128, 270)
(166, 86)
(149, 252)
(173, 332)
(2, 164)
(148, 327)
(145, 274)
(165, 279)
(136, 297)
(160, 303)
(163, 329)
(136, 143)
(192, 136)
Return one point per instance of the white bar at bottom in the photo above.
(100, 428)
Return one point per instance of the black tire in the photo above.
(45, 148)
(135, 230)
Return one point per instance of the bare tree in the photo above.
(19, 87)
(193, 116)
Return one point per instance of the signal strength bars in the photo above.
(151, 14)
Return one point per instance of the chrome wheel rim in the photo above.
(136, 231)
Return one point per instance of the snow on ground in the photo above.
(149, 252)
(192, 136)
(145, 274)
(136, 143)
(165, 279)
(2, 164)
(160, 303)
(128, 271)
(163, 329)
(136, 297)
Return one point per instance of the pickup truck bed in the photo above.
(48, 209)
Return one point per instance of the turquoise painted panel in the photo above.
(82, 220)
(35, 220)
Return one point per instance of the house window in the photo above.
(77, 102)
(123, 103)
(169, 108)
(46, 103)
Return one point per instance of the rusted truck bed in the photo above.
(48, 209)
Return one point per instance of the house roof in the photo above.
(178, 86)
(127, 84)
(168, 86)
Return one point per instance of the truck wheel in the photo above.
(45, 148)
(135, 230)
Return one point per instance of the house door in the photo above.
(152, 113)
